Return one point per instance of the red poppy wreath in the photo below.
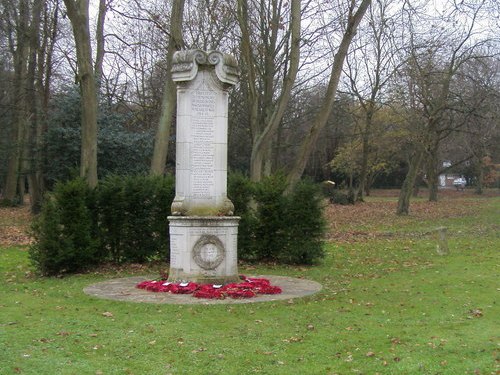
(248, 288)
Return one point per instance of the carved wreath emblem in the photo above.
(208, 252)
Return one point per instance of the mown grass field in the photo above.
(389, 305)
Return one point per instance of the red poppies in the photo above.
(248, 288)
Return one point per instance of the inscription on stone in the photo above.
(202, 151)
(207, 230)
(203, 103)
(176, 241)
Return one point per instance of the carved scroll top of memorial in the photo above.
(185, 65)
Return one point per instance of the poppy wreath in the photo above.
(248, 288)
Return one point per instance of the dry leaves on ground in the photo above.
(358, 222)
(14, 226)
(345, 223)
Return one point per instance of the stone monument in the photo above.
(203, 230)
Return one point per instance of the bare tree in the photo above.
(433, 64)
(78, 13)
(369, 67)
(354, 16)
(31, 28)
(169, 94)
(17, 17)
(270, 54)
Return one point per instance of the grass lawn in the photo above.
(389, 305)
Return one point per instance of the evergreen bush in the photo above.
(110, 207)
(277, 227)
(65, 232)
(133, 213)
(240, 191)
(125, 219)
(340, 197)
(271, 205)
(304, 225)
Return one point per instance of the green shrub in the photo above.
(65, 232)
(125, 219)
(133, 213)
(340, 197)
(240, 192)
(270, 232)
(305, 225)
(278, 227)
(110, 207)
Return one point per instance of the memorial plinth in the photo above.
(203, 232)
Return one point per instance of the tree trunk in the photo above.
(78, 13)
(363, 177)
(324, 113)
(407, 188)
(162, 137)
(480, 176)
(432, 169)
(100, 42)
(433, 179)
(265, 125)
(19, 45)
(33, 135)
(416, 185)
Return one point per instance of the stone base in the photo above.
(203, 249)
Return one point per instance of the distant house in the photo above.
(446, 180)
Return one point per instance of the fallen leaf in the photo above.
(476, 313)
(370, 354)
(293, 339)
(199, 350)
(107, 314)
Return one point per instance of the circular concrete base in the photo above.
(124, 289)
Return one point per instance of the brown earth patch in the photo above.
(14, 226)
(345, 223)
(359, 222)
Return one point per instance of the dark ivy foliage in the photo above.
(120, 151)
